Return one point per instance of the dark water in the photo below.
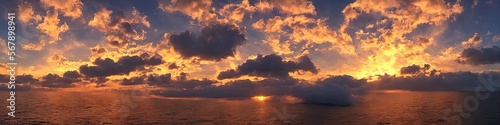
(395, 108)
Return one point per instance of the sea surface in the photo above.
(122, 107)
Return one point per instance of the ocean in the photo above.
(121, 107)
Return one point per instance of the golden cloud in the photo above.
(236, 12)
(303, 28)
(50, 26)
(200, 10)
(69, 8)
(474, 41)
(27, 14)
(387, 49)
(119, 31)
(292, 7)
(33, 46)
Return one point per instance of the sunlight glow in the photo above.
(260, 98)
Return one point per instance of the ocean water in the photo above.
(119, 107)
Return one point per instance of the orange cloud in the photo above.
(58, 59)
(303, 28)
(27, 14)
(236, 12)
(474, 41)
(292, 7)
(69, 8)
(119, 31)
(50, 26)
(387, 49)
(281, 48)
(3, 45)
(200, 10)
(33, 46)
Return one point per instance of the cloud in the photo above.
(159, 79)
(33, 46)
(216, 42)
(69, 8)
(69, 79)
(120, 29)
(333, 90)
(236, 12)
(343, 80)
(474, 41)
(3, 45)
(269, 66)
(417, 70)
(125, 65)
(72, 74)
(56, 58)
(292, 7)
(279, 47)
(481, 56)
(133, 81)
(200, 10)
(50, 26)
(5, 87)
(389, 34)
(166, 81)
(447, 81)
(475, 3)
(173, 66)
(190, 84)
(238, 89)
(20, 79)
(301, 28)
(27, 14)
(414, 69)
(496, 38)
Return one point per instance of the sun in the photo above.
(260, 98)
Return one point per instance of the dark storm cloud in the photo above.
(216, 42)
(269, 66)
(481, 56)
(125, 65)
(333, 90)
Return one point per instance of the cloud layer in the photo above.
(269, 66)
(125, 65)
(216, 42)
(480, 56)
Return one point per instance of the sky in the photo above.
(254, 47)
